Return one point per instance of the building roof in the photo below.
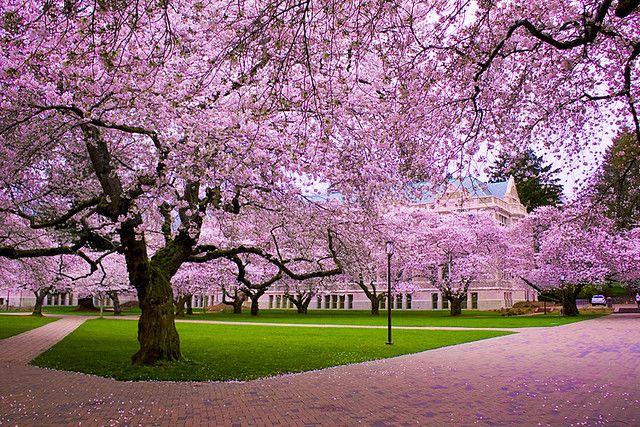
(470, 185)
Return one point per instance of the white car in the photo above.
(598, 300)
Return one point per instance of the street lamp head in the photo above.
(389, 247)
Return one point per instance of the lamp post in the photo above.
(389, 250)
(562, 279)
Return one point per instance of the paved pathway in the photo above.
(579, 374)
(20, 349)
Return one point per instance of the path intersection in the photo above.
(585, 373)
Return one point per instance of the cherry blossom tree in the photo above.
(452, 252)
(173, 113)
(564, 250)
(41, 277)
(109, 279)
(624, 265)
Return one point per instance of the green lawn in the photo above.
(469, 318)
(14, 325)
(230, 352)
(73, 310)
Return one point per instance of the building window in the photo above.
(383, 303)
(341, 306)
(445, 303)
(270, 301)
(334, 301)
(350, 301)
(434, 301)
(399, 301)
(409, 301)
(327, 301)
(277, 301)
(474, 300)
(319, 302)
(463, 304)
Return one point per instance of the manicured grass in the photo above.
(14, 325)
(73, 310)
(236, 352)
(469, 318)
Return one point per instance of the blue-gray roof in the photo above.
(473, 186)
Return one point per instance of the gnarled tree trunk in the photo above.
(157, 332)
(301, 302)
(239, 298)
(117, 309)
(180, 303)
(569, 295)
(40, 294)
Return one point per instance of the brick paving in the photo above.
(20, 349)
(584, 373)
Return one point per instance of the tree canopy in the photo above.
(616, 185)
(536, 182)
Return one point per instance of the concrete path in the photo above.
(584, 373)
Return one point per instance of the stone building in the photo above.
(499, 199)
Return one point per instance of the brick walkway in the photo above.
(20, 349)
(579, 374)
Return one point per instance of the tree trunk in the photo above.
(456, 306)
(179, 304)
(375, 306)
(37, 308)
(190, 304)
(157, 334)
(86, 304)
(117, 309)
(254, 305)
(237, 305)
(569, 296)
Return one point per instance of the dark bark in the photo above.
(375, 304)
(237, 299)
(569, 295)
(86, 304)
(117, 308)
(41, 294)
(190, 304)
(301, 301)
(157, 332)
(180, 304)
(372, 294)
(254, 306)
(455, 304)
(237, 306)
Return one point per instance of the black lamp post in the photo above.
(389, 250)
(562, 280)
